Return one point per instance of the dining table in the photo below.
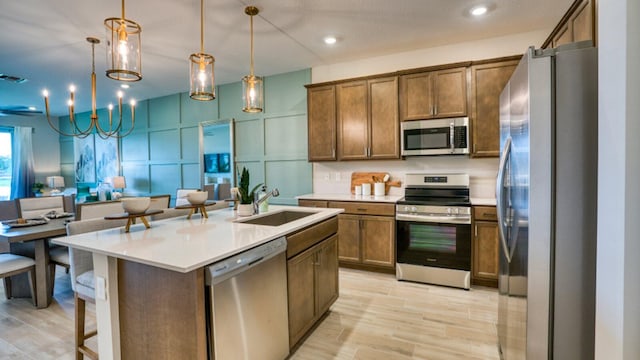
(32, 241)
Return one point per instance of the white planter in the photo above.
(245, 209)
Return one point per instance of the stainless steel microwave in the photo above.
(435, 137)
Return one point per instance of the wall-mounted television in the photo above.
(217, 163)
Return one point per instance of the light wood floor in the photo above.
(375, 317)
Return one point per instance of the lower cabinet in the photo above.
(367, 241)
(312, 276)
(486, 251)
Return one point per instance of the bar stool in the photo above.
(12, 264)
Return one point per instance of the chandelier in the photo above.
(77, 131)
(201, 69)
(124, 60)
(252, 86)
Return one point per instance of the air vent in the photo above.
(13, 79)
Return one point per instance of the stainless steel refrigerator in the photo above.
(546, 201)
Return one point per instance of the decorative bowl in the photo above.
(135, 205)
(197, 197)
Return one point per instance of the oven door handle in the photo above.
(502, 225)
(434, 219)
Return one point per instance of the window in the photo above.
(6, 135)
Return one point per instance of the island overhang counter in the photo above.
(154, 278)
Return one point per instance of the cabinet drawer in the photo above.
(362, 208)
(487, 213)
(304, 239)
(313, 203)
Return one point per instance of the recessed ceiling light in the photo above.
(479, 10)
(330, 40)
(124, 86)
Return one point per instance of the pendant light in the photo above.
(124, 61)
(113, 129)
(201, 69)
(252, 86)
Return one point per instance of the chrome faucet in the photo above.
(257, 202)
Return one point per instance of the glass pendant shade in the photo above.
(202, 78)
(252, 86)
(124, 60)
(252, 94)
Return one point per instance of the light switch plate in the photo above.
(101, 288)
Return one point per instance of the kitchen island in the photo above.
(150, 288)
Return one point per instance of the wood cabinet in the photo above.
(578, 24)
(313, 203)
(434, 94)
(488, 79)
(321, 104)
(366, 241)
(312, 275)
(367, 118)
(486, 251)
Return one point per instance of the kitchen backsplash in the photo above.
(335, 177)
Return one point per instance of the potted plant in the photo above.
(246, 197)
(36, 188)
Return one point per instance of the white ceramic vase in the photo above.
(245, 209)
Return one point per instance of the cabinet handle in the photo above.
(435, 109)
(431, 110)
(476, 230)
(333, 153)
(361, 209)
(474, 148)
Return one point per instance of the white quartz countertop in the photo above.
(184, 245)
(351, 197)
(483, 201)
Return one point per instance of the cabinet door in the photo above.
(563, 36)
(486, 251)
(353, 128)
(321, 103)
(383, 112)
(582, 22)
(378, 240)
(487, 82)
(450, 88)
(416, 96)
(302, 306)
(349, 238)
(327, 274)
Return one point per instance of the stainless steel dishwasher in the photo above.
(247, 312)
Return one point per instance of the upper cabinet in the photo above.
(367, 113)
(487, 81)
(434, 94)
(321, 103)
(578, 24)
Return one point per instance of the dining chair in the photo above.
(12, 264)
(83, 280)
(98, 209)
(159, 202)
(35, 207)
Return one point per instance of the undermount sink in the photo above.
(277, 218)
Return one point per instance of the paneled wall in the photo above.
(162, 153)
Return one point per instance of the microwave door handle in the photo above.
(506, 153)
(452, 128)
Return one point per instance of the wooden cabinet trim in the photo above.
(305, 238)
(312, 203)
(364, 208)
(487, 213)
(321, 123)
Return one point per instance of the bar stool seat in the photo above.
(12, 264)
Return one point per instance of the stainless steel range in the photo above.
(433, 226)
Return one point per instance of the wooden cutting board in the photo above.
(359, 178)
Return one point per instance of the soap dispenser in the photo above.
(264, 205)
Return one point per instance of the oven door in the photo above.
(432, 243)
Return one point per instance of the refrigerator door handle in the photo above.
(506, 153)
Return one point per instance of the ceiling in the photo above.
(44, 41)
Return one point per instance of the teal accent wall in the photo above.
(162, 154)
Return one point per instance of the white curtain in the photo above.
(23, 175)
